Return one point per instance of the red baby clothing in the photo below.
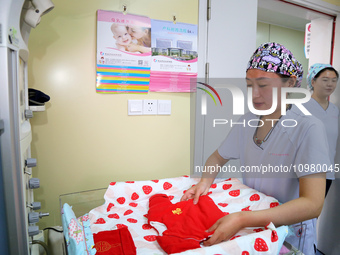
(118, 242)
(182, 226)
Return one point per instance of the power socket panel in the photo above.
(150, 107)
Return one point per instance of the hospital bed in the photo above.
(125, 204)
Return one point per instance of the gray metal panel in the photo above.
(3, 218)
(10, 154)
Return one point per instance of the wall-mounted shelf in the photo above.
(37, 108)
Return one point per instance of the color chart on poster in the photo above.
(174, 56)
(123, 52)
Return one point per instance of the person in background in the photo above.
(271, 143)
(322, 80)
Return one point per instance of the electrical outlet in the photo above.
(150, 107)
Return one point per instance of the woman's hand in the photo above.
(201, 188)
(307, 206)
(225, 228)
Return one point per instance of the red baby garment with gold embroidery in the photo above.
(182, 226)
(118, 242)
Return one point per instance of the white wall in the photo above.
(230, 43)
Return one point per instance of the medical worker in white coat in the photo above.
(322, 80)
(277, 141)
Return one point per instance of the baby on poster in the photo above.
(120, 33)
(132, 38)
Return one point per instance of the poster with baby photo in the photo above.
(174, 56)
(123, 52)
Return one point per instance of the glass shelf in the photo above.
(84, 201)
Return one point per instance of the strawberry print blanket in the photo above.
(127, 204)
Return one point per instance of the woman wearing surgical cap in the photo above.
(322, 80)
(275, 143)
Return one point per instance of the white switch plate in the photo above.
(164, 107)
(135, 107)
(149, 107)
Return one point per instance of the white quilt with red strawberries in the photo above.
(126, 204)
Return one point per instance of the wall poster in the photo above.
(174, 56)
(307, 40)
(123, 52)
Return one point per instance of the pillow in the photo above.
(77, 232)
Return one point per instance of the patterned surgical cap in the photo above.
(313, 71)
(276, 58)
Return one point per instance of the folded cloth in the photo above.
(36, 97)
(118, 242)
(182, 226)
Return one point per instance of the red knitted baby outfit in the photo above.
(118, 242)
(182, 226)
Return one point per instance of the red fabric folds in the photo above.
(186, 223)
(118, 242)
